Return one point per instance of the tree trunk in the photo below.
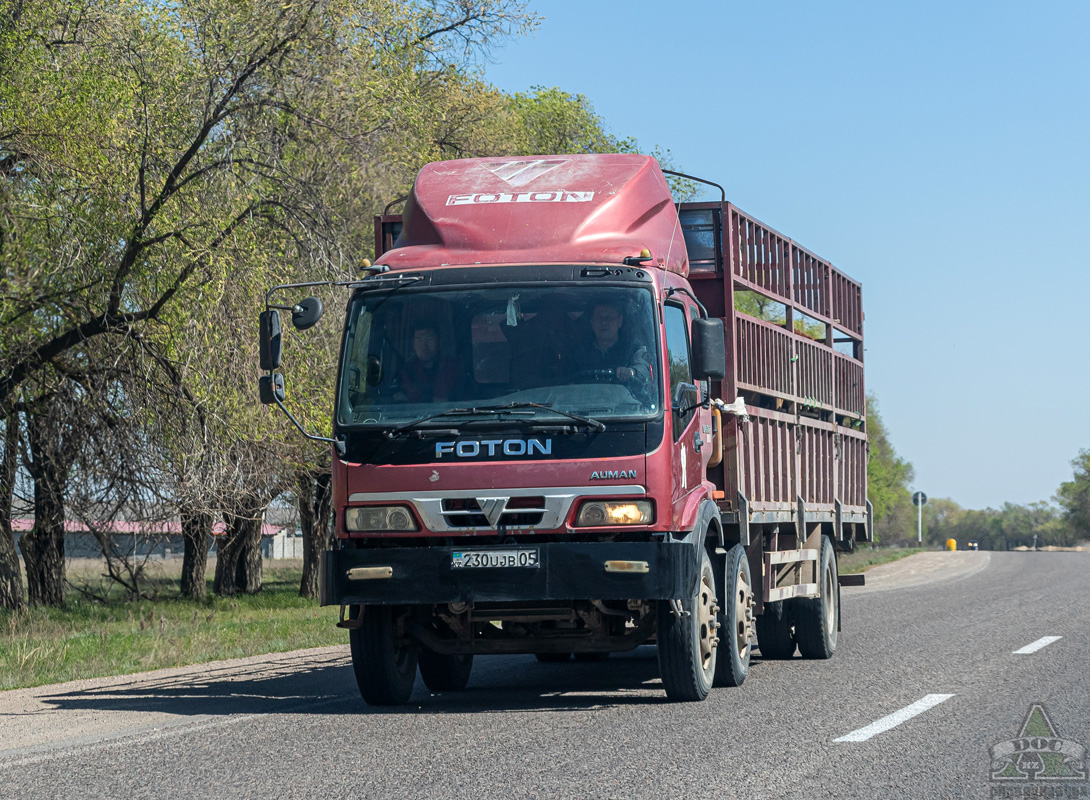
(315, 499)
(248, 570)
(228, 549)
(238, 563)
(11, 578)
(43, 547)
(196, 537)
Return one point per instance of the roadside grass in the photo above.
(91, 639)
(863, 559)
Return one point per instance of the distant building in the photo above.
(164, 539)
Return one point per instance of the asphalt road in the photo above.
(941, 628)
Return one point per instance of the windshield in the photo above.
(580, 350)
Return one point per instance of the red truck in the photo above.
(574, 417)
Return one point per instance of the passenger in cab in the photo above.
(427, 376)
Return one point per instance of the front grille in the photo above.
(519, 512)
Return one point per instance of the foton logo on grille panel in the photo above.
(494, 447)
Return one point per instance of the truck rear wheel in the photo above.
(687, 644)
(736, 620)
(775, 632)
(445, 673)
(817, 618)
(385, 667)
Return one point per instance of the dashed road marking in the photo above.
(894, 719)
(1033, 647)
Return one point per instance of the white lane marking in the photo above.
(894, 719)
(1033, 647)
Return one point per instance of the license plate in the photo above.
(469, 559)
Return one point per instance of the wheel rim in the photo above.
(706, 618)
(743, 614)
(830, 598)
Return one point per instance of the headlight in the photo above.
(379, 518)
(601, 513)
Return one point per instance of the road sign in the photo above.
(919, 500)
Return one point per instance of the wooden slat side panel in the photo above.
(811, 282)
(853, 471)
(818, 466)
(767, 462)
(847, 304)
(759, 254)
(815, 367)
(849, 384)
(764, 355)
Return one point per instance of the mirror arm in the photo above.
(682, 290)
(337, 443)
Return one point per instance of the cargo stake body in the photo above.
(573, 417)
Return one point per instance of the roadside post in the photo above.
(919, 499)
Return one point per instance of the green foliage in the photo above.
(552, 121)
(1074, 497)
(996, 529)
(888, 477)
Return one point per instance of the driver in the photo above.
(609, 352)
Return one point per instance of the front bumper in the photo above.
(565, 571)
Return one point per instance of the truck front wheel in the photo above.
(445, 673)
(687, 644)
(818, 618)
(385, 664)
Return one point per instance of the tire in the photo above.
(776, 632)
(445, 673)
(687, 646)
(552, 658)
(817, 618)
(385, 669)
(591, 657)
(735, 620)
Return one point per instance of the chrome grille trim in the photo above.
(558, 502)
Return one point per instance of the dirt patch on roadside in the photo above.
(920, 569)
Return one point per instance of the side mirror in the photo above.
(709, 350)
(306, 314)
(270, 339)
(271, 388)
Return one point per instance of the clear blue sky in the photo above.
(938, 152)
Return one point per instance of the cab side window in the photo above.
(682, 390)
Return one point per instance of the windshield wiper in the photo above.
(594, 424)
(590, 422)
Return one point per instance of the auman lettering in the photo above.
(612, 474)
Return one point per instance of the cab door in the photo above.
(688, 420)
